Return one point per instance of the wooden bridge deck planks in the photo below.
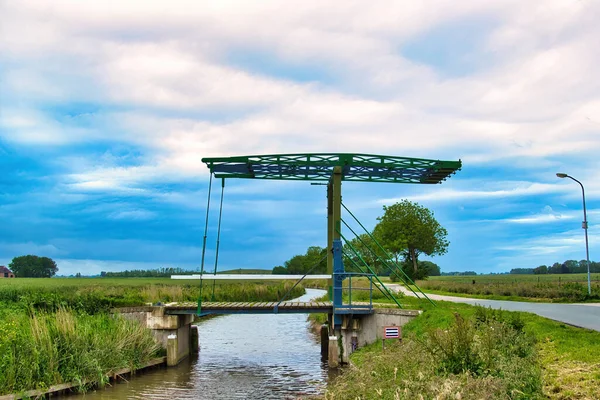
(249, 306)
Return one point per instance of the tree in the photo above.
(408, 229)
(542, 269)
(33, 267)
(424, 269)
(279, 270)
(302, 263)
(370, 253)
(432, 268)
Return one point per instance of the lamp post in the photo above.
(585, 228)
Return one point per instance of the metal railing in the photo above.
(349, 306)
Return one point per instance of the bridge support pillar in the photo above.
(175, 333)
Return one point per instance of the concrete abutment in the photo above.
(175, 333)
(359, 330)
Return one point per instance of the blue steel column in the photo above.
(336, 228)
(338, 279)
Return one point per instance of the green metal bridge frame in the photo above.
(334, 168)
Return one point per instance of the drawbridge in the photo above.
(331, 170)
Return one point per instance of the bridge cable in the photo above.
(300, 280)
(388, 255)
(381, 285)
(204, 242)
(218, 238)
(362, 270)
(392, 270)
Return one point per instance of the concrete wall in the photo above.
(360, 330)
(164, 328)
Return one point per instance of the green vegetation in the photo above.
(60, 330)
(146, 273)
(248, 271)
(33, 267)
(567, 267)
(407, 230)
(167, 272)
(313, 261)
(565, 288)
(93, 295)
(41, 349)
(459, 351)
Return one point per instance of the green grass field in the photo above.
(93, 295)
(564, 364)
(559, 287)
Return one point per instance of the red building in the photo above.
(5, 272)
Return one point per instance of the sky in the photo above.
(106, 109)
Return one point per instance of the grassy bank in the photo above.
(460, 350)
(59, 330)
(43, 349)
(559, 288)
(101, 294)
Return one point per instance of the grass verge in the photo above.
(563, 362)
(45, 349)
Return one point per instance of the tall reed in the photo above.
(45, 349)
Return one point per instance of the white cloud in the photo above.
(135, 215)
(165, 78)
(505, 189)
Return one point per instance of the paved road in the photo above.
(582, 315)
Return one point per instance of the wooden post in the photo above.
(172, 351)
(194, 340)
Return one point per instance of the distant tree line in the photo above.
(463, 273)
(567, 267)
(145, 273)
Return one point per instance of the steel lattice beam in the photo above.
(319, 167)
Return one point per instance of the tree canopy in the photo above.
(302, 263)
(33, 267)
(370, 253)
(407, 230)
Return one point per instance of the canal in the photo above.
(265, 356)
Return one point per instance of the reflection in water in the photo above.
(241, 357)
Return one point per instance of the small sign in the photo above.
(392, 332)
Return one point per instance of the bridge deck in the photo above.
(286, 307)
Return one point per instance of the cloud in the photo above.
(172, 83)
(505, 189)
(136, 215)
(548, 215)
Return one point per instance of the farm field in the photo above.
(93, 295)
(550, 287)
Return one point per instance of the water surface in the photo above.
(241, 357)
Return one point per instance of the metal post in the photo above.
(585, 228)
(350, 290)
(337, 202)
(338, 266)
(338, 279)
(330, 238)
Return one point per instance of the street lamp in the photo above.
(585, 228)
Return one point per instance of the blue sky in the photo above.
(106, 109)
